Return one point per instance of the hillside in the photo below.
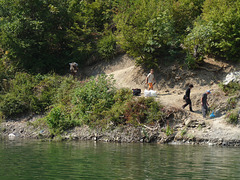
(171, 84)
(177, 126)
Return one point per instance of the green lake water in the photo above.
(97, 160)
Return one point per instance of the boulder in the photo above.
(232, 77)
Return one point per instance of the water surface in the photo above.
(97, 160)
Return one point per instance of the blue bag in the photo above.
(212, 115)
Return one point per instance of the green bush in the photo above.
(190, 61)
(217, 31)
(184, 14)
(198, 40)
(19, 96)
(231, 89)
(146, 30)
(27, 93)
(232, 117)
(93, 99)
(232, 102)
(44, 92)
(143, 110)
(65, 91)
(116, 113)
(59, 120)
(12, 105)
(106, 46)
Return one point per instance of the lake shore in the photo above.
(187, 132)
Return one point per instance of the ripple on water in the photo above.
(96, 160)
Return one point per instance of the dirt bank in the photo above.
(184, 126)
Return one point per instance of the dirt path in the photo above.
(171, 85)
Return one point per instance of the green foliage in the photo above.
(190, 61)
(27, 93)
(93, 99)
(169, 130)
(232, 102)
(7, 71)
(232, 117)
(65, 91)
(146, 30)
(68, 102)
(18, 98)
(183, 132)
(43, 36)
(34, 33)
(143, 110)
(231, 89)
(184, 14)
(107, 46)
(217, 32)
(199, 36)
(87, 34)
(225, 16)
(58, 120)
(116, 113)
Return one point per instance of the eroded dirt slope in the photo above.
(171, 84)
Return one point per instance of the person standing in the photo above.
(187, 98)
(73, 68)
(204, 103)
(150, 79)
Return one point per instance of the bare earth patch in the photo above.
(171, 84)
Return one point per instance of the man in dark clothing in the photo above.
(204, 103)
(187, 98)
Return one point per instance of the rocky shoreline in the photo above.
(125, 134)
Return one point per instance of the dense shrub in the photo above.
(64, 93)
(19, 96)
(59, 120)
(43, 36)
(93, 99)
(68, 102)
(29, 94)
(217, 32)
(231, 89)
(184, 14)
(232, 117)
(231, 103)
(116, 113)
(198, 41)
(143, 110)
(146, 30)
(106, 46)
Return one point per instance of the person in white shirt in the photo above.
(150, 79)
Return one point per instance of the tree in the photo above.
(146, 30)
(34, 31)
(218, 29)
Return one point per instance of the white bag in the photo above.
(150, 93)
(153, 93)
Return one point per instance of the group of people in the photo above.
(150, 80)
(204, 102)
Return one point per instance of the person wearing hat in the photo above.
(204, 103)
(187, 98)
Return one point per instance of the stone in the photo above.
(11, 136)
(232, 77)
(191, 123)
